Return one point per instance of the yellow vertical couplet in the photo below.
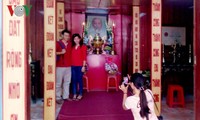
(156, 52)
(1, 66)
(14, 61)
(49, 59)
(136, 39)
(60, 19)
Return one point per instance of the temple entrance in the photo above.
(180, 65)
(123, 57)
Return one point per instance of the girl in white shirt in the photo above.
(141, 103)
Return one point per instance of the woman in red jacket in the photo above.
(79, 52)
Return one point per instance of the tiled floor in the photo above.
(37, 110)
(176, 113)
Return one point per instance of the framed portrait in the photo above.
(96, 24)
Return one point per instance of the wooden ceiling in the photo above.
(116, 6)
(111, 6)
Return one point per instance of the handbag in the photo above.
(160, 117)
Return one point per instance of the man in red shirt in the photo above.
(63, 67)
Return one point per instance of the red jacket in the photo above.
(79, 55)
(65, 59)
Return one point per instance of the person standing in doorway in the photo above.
(79, 52)
(63, 67)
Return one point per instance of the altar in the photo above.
(97, 75)
(100, 47)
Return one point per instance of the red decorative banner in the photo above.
(49, 59)
(136, 39)
(156, 52)
(14, 60)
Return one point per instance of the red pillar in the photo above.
(197, 59)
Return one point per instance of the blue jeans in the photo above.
(77, 80)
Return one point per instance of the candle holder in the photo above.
(113, 45)
(83, 33)
(30, 59)
(163, 54)
(173, 52)
(190, 59)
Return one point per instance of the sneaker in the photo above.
(67, 99)
(60, 101)
(74, 97)
(79, 97)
